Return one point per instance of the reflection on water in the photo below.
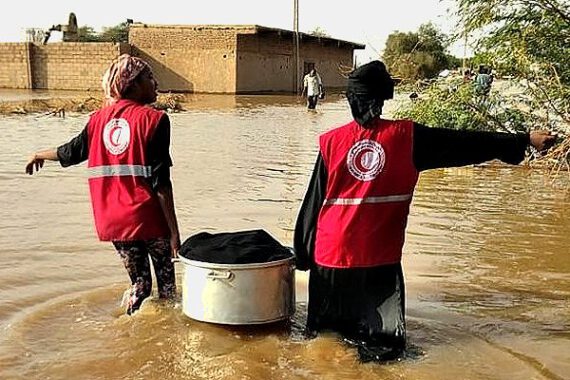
(486, 261)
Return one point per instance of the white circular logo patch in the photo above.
(365, 160)
(117, 136)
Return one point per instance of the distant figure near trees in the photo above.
(467, 76)
(483, 81)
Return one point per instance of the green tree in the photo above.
(525, 38)
(453, 62)
(456, 105)
(319, 32)
(416, 55)
(529, 39)
(87, 34)
(117, 33)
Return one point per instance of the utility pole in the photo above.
(296, 47)
(464, 22)
(465, 52)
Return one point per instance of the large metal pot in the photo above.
(238, 294)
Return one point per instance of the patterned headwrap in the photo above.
(120, 75)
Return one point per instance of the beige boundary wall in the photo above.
(15, 65)
(56, 66)
(73, 65)
(185, 58)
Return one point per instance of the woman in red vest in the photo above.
(126, 144)
(351, 226)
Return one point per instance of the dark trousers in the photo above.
(135, 257)
(312, 101)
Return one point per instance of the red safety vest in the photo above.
(371, 180)
(124, 205)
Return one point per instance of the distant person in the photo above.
(127, 145)
(483, 81)
(312, 88)
(47, 35)
(467, 76)
(350, 229)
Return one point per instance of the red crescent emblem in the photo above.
(112, 139)
(116, 136)
(358, 160)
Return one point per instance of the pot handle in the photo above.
(291, 249)
(225, 275)
(293, 265)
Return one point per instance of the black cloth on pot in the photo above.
(243, 247)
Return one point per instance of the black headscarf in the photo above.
(368, 87)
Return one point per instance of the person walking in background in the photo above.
(350, 229)
(312, 88)
(467, 76)
(483, 81)
(127, 145)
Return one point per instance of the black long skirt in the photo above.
(365, 305)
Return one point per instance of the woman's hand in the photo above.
(542, 140)
(34, 161)
(37, 160)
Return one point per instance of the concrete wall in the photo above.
(72, 65)
(15, 65)
(187, 58)
(266, 62)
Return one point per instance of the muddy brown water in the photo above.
(487, 261)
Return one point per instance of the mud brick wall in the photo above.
(266, 62)
(14, 65)
(72, 65)
(188, 58)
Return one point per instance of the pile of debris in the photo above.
(55, 107)
(59, 106)
(557, 159)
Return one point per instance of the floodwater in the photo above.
(487, 261)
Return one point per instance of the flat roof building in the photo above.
(238, 58)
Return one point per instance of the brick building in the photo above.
(185, 58)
